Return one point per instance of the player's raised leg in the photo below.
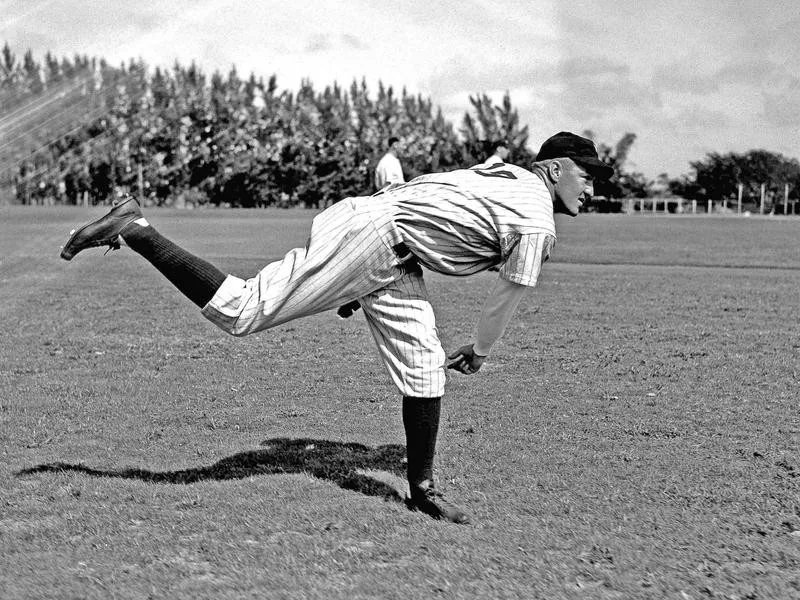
(196, 278)
(344, 258)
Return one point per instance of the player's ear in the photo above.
(554, 170)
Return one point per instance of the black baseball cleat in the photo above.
(426, 498)
(105, 230)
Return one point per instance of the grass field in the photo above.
(635, 435)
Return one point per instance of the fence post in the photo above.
(739, 201)
(785, 199)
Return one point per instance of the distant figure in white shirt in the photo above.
(499, 154)
(389, 169)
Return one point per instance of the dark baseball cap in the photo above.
(580, 149)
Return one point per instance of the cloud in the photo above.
(773, 35)
(323, 42)
(758, 88)
(687, 77)
(683, 77)
(590, 87)
(571, 93)
(354, 42)
(594, 99)
(756, 71)
(781, 107)
(459, 76)
(698, 118)
(317, 43)
(591, 66)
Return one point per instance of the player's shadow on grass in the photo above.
(345, 464)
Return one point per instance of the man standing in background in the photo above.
(389, 169)
(499, 150)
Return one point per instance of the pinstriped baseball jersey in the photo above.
(466, 221)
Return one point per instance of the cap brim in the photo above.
(594, 166)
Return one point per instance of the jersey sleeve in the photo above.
(523, 256)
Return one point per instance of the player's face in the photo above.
(574, 187)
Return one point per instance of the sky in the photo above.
(687, 77)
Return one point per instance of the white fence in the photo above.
(676, 205)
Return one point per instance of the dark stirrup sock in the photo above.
(421, 422)
(197, 279)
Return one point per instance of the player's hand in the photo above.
(465, 360)
(346, 311)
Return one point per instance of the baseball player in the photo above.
(389, 170)
(499, 153)
(369, 251)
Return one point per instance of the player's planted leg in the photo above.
(421, 423)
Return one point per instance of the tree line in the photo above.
(80, 129)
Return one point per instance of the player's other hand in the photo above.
(465, 360)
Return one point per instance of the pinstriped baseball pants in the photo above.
(348, 256)
(404, 327)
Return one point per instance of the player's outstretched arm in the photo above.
(497, 312)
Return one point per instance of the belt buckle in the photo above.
(402, 252)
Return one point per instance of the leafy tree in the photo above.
(492, 123)
(225, 139)
(718, 176)
(622, 183)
